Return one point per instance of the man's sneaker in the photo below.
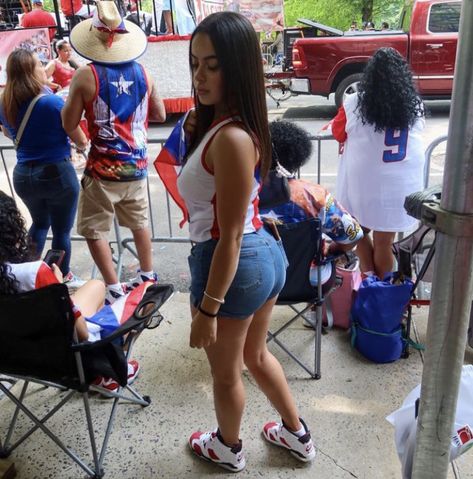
(301, 447)
(73, 281)
(137, 280)
(111, 385)
(210, 447)
(111, 295)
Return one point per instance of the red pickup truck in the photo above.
(325, 60)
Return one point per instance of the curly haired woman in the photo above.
(383, 159)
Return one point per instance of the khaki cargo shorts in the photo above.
(100, 201)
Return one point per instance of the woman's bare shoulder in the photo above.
(233, 135)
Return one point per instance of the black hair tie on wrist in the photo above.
(206, 313)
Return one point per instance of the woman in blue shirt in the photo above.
(44, 177)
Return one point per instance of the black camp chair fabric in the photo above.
(302, 243)
(36, 331)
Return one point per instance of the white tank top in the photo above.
(196, 185)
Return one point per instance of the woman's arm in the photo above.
(79, 324)
(232, 157)
(49, 68)
(79, 138)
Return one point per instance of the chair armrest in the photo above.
(155, 297)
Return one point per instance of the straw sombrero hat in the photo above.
(107, 38)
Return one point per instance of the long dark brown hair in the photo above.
(239, 57)
(22, 84)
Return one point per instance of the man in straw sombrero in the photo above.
(118, 97)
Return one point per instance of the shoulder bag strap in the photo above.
(25, 119)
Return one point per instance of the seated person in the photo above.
(62, 68)
(38, 18)
(75, 11)
(19, 274)
(144, 20)
(285, 199)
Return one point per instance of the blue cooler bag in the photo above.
(376, 317)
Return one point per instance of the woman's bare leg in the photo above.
(226, 360)
(266, 369)
(364, 251)
(383, 254)
(89, 299)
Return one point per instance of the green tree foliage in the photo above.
(340, 13)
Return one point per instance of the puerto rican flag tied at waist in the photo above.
(169, 164)
(112, 316)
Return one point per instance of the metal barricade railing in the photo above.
(126, 243)
(428, 157)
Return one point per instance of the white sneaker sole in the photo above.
(220, 464)
(296, 454)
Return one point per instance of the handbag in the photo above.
(376, 316)
(25, 119)
(338, 304)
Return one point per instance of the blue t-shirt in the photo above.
(44, 138)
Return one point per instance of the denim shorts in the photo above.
(260, 275)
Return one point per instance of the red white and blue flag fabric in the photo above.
(169, 163)
(112, 316)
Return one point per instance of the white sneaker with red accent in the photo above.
(301, 447)
(111, 385)
(111, 295)
(137, 280)
(210, 447)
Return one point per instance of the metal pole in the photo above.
(452, 285)
(58, 19)
(155, 18)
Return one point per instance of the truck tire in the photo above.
(347, 86)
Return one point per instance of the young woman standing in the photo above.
(237, 268)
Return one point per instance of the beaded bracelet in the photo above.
(206, 313)
(219, 301)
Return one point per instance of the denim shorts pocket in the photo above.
(248, 254)
(283, 252)
(249, 274)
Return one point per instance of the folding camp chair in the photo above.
(38, 344)
(303, 245)
(414, 255)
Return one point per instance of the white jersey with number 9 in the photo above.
(378, 170)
